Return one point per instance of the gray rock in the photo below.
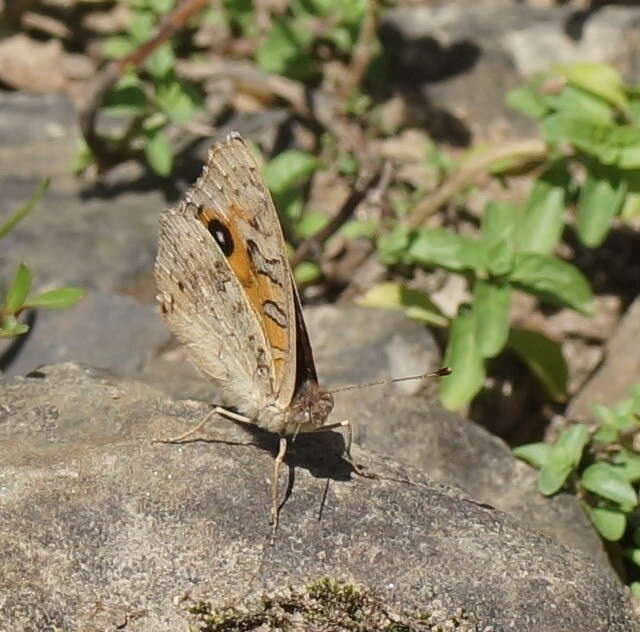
(457, 61)
(110, 331)
(619, 372)
(351, 346)
(100, 528)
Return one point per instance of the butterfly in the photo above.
(226, 290)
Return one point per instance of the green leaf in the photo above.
(413, 303)
(441, 247)
(552, 478)
(499, 222)
(528, 101)
(569, 446)
(600, 201)
(284, 51)
(141, 26)
(580, 104)
(161, 61)
(392, 246)
(630, 208)
(359, 229)
(18, 290)
(600, 79)
(288, 170)
(540, 227)
(463, 356)
(610, 144)
(628, 465)
(552, 280)
(179, 101)
(610, 523)
(535, 454)
(117, 47)
(544, 358)
(127, 97)
(307, 272)
(635, 589)
(56, 299)
(160, 6)
(310, 223)
(158, 152)
(26, 208)
(605, 480)
(491, 302)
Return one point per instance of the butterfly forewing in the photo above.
(223, 247)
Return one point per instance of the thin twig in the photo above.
(532, 149)
(103, 151)
(358, 193)
(363, 49)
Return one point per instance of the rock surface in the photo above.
(99, 527)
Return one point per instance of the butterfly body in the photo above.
(227, 292)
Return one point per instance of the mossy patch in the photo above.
(325, 605)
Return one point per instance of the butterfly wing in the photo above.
(225, 283)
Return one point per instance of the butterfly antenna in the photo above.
(445, 370)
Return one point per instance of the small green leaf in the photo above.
(499, 222)
(544, 358)
(580, 104)
(628, 465)
(56, 299)
(26, 208)
(307, 272)
(179, 101)
(569, 446)
(610, 523)
(289, 169)
(141, 26)
(160, 7)
(359, 229)
(528, 101)
(635, 589)
(552, 478)
(446, 249)
(127, 97)
(18, 290)
(117, 47)
(601, 198)
(158, 152)
(284, 51)
(535, 454)
(392, 246)
(415, 304)
(491, 302)
(605, 480)
(161, 61)
(600, 79)
(552, 280)
(310, 223)
(540, 227)
(463, 356)
(630, 208)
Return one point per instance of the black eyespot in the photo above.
(222, 236)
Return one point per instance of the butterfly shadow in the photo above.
(322, 454)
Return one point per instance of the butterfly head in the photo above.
(309, 408)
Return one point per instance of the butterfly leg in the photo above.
(282, 450)
(347, 451)
(223, 412)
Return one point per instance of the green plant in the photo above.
(17, 299)
(590, 126)
(153, 98)
(602, 467)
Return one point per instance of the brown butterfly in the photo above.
(227, 292)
